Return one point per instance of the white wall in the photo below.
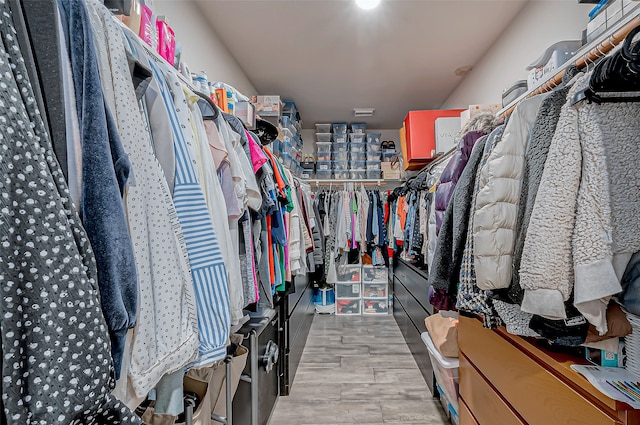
(539, 24)
(201, 48)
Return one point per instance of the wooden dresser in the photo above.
(507, 380)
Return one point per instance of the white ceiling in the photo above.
(330, 57)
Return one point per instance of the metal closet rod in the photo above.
(596, 52)
(356, 183)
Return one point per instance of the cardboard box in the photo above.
(222, 100)
(604, 358)
(246, 111)
(389, 167)
(268, 106)
(475, 110)
(390, 170)
(421, 136)
(447, 132)
(391, 175)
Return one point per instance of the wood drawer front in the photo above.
(538, 396)
(466, 418)
(486, 405)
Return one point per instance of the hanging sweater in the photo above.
(585, 224)
(105, 171)
(166, 336)
(55, 341)
(496, 206)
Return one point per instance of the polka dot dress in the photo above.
(56, 364)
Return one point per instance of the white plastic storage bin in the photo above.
(358, 156)
(341, 156)
(339, 127)
(374, 174)
(350, 273)
(374, 155)
(341, 147)
(375, 306)
(324, 156)
(324, 146)
(348, 307)
(357, 174)
(375, 290)
(388, 156)
(358, 147)
(323, 128)
(340, 137)
(374, 147)
(324, 174)
(357, 137)
(348, 290)
(357, 165)
(374, 137)
(446, 370)
(373, 165)
(378, 274)
(447, 405)
(341, 175)
(324, 165)
(358, 128)
(323, 137)
(287, 160)
(341, 165)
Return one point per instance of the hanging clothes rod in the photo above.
(376, 182)
(427, 168)
(593, 54)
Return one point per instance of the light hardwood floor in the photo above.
(357, 370)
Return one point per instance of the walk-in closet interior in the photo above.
(287, 212)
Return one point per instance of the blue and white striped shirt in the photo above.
(205, 256)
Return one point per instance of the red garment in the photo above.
(386, 209)
(276, 172)
(402, 214)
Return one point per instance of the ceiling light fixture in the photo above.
(368, 4)
(363, 112)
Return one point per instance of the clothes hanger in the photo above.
(616, 78)
(208, 108)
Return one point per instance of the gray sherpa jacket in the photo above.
(585, 223)
(542, 132)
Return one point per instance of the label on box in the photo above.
(268, 105)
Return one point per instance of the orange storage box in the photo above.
(421, 136)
